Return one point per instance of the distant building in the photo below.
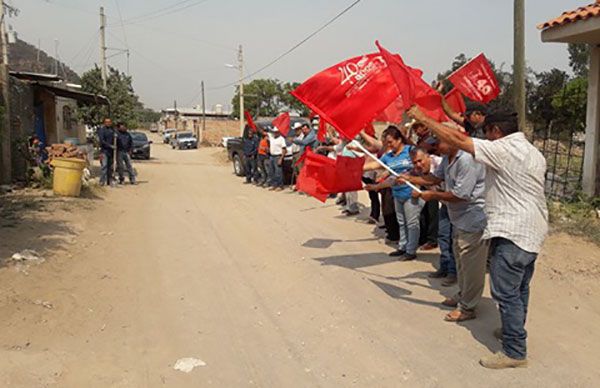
(190, 119)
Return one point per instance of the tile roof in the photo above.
(581, 13)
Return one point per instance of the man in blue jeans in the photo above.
(447, 268)
(517, 220)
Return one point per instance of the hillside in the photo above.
(24, 57)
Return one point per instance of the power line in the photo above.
(122, 24)
(164, 12)
(292, 48)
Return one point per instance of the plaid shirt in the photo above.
(515, 201)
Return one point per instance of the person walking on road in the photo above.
(124, 150)
(517, 220)
(106, 137)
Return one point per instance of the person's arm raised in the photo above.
(445, 133)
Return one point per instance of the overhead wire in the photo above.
(293, 48)
(167, 11)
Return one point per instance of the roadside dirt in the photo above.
(268, 289)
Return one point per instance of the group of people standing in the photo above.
(270, 157)
(474, 186)
(115, 141)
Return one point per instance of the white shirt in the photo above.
(515, 200)
(276, 145)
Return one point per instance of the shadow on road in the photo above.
(362, 260)
(324, 243)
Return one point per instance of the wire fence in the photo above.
(561, 139)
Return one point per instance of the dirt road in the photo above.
(268, 289)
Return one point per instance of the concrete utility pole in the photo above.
(5, 135)
(203, 128)
(519, 62)
(241, 68)
(103, 47)
(56, 57)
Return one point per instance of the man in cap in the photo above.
(517, 220)
(277, 150)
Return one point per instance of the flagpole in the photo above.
(385, 166)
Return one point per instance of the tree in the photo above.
(268, 97)
(125, 104)
(540, 101)
(579, 55)
(570, 104)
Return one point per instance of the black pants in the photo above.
(374, 197)
(389, 215)
(429, 223)
(288, 173)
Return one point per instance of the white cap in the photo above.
(297, 125)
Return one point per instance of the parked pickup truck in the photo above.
(235, 149)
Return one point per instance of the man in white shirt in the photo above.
(517, 220)
(278, 150)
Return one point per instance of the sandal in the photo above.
(459, 316)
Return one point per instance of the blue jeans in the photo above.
(447, 262)
(276, 172)
(510, 273)
(250, 168)
(106, 167)
(124, 163)
(408, 212)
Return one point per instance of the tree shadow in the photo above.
(28, 222)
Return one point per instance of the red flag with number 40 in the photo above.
(350, 94)
(476, 80)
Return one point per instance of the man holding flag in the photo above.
(517, 220)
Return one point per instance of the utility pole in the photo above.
(56, 57)
(519, 62)
(241, 68)
(128, 62)
(203, 128)
(103, 47)
(5, 138)
(38, 51)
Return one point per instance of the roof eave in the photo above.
(581, 31)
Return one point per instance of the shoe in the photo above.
(498, 333)
(502, 361)
(459, 315)
(340, 202)
(397, 253)
(428, 246)
(449, 302)
(449, 281)
(133, 183)
(408, 257)
(351, 212)
(372, 221)
(279, 189)
(437, 274)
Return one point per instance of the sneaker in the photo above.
(437, 274)
(502, 361)
(408, 257)
(397, 253)
(449, 281)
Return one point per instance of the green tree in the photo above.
(570, 104)
(540, 102)
(262, 97)
(292, 102)
(579, 55)
(125, 104)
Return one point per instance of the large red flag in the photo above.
(251, 123)
(348, 174)
(282, 123)
(350, 94)
(476, 80)
(456, 101)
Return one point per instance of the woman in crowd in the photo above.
(408, 209)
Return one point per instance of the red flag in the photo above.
(322, 133)
(476, 80)
(456, 101)
(393, 113)
(251, 123)
(282, 123)
(321, 176)
(316, 170)
(350, 94)
(401, 75)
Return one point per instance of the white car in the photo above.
(167, 134)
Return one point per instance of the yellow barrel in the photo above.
(67, 176)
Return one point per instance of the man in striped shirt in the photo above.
(517, 220)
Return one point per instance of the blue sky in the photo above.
(172, 53)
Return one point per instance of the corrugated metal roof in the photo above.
(581, 13)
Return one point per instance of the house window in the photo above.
(67, 118)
